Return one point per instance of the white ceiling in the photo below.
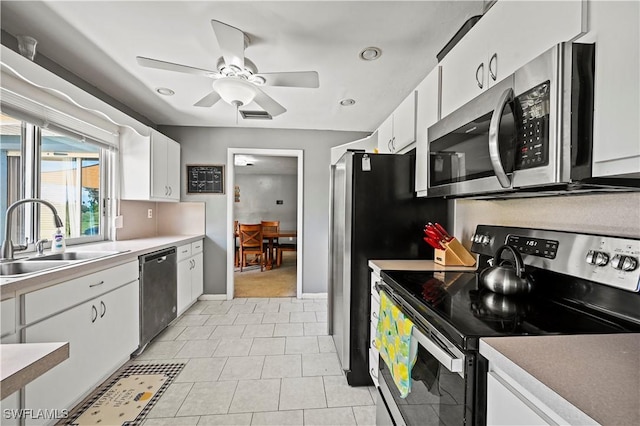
(99, 41)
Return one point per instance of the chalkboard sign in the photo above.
(205, 179)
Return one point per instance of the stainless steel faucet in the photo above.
(40, 246)
(7, 244)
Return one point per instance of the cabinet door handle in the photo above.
(104, 309)
(492, 73)
(389, 145)
(393, 144)
(480, 80)
(166, 190)
(96, 284)
(374, 314)
(94, 313)
(170, 190)
(373, 343)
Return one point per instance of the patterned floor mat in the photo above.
(127, 397)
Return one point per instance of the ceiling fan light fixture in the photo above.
(257, 80)
(234, 91)
(370, 53)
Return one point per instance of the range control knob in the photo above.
(597, 258)
(485, 240)
(624, 263)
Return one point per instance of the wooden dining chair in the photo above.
(269, 229)
(251, 243)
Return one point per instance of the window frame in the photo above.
(31, 183)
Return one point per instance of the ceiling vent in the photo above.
(256, 115)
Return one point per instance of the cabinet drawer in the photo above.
(184, 252)
(196, 247)
(42, 303)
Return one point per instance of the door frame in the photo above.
(231, 152)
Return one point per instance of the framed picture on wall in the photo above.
(205, 179)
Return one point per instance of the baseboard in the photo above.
(213, 297)
(314, 295)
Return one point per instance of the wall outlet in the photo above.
(150, 214)
(118, 222)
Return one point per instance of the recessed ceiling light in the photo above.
(347, 102)
(370, 53)
(164, 91)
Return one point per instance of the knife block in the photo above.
(454, 254)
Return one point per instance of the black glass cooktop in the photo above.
(464, 311)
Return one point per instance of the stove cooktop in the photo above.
(464, 311)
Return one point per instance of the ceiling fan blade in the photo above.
(292, 79)
(170, 66)
(231, 42)
(267, 103)
(208, 100)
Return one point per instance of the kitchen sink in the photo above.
(73, 255)
(20, 268)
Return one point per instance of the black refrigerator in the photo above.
(374, 214)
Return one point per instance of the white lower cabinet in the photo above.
(190, 274)
(9, 408)
(509, 406)
(102, 333)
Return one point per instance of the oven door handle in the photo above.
(494, 142)
(451, 363)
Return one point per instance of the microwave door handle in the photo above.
(494, 143)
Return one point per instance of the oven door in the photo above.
(442, 387)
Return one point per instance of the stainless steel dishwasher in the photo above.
(158, 293)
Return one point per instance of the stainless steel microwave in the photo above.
(530, 130)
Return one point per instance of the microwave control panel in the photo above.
(532, 112)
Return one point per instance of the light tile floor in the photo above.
(256, 362)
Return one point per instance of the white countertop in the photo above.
(378, 265)
(24, 362)
(583, 378)
(130, 250)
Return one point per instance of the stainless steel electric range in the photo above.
(582, 284)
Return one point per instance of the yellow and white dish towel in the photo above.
(393, 340)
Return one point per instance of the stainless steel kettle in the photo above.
(506, 276)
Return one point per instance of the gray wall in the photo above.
(258, 195)
(200, 145)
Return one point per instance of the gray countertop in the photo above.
(130, 250)
(583, 378)
(24, 362)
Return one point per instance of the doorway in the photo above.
(265, 185)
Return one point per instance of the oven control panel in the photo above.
(534, 246)
(612, 261)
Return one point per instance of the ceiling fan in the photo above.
(237, 80)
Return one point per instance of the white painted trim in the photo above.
(213, 297)
(314, 295)
(230, 195)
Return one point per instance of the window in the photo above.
(56, 167)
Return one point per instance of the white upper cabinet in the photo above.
(150, 167)
(427, 114)
(508, 36)
(613, 27)
(399, 129)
